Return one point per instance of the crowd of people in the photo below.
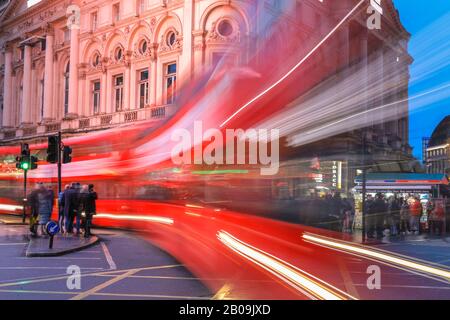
(401, 216)
(75, 202)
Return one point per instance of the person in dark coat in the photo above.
(71, 207)
(379, 211)
(88, 196)
(32, 201)
(61, 204)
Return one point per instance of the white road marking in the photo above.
(112, 265)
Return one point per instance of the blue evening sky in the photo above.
(416, 16)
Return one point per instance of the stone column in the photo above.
(7, 88)
(103, 91)
(199, 49)
(48, 77)
(126, 82)
(73, 76)
(26, 92)
(186, 62)
(153, 74)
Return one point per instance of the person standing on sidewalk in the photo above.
(44, 198)
(394, 215)
(61, 203)
(87, 199)
(379, 212)
(404, 216)
(415, 213)
(71, 206)
(32, 201)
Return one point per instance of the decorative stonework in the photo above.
(165, 46)
(215, 36)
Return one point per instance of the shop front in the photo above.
(402, 185)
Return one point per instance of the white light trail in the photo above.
(128, 217)
(10, 207)
(306, 283)
(295, 67)
(378, 255)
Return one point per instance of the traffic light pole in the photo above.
(24, 195)
(59, 162)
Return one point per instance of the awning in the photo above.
(400, 188)
(400, 179)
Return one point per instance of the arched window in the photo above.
(225, 28)
(66, 89)
(118, 54)
(96, 60)
(143, 46)
(171, 38)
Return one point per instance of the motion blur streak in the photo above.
(162, 220)
(299, 279)
(383, 256)
(297, 65)
(8, 207)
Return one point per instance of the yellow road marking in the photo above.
(104, 285)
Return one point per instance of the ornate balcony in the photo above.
(84, 124)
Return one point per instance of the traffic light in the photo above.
(23, 163)
(19, 162)
(33, 163)
(53, 149)
(67, 154)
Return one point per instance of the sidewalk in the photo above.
(62, 244)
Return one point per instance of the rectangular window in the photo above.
(116, 12)
(118, 92)
(143, 87)
(140, 6)
(94, 21)
(171, 82)
(96, 96)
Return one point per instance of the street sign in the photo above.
(52, 228)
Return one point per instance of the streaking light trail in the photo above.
(296, 66)
(379, 255)
(299, 279)
(9, 207)
(162, 220)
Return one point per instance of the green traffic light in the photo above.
(25, 166)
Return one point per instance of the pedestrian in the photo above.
(394, 215)
(404, 217)
(61, 204)
(370, 218)
(45, 198)
(32, 201)
(347, 215)
(379, 211)
(438, 218)
(88, 196)
(336, 212)
(415, 213)
(71, 207)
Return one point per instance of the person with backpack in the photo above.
(88, 196)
